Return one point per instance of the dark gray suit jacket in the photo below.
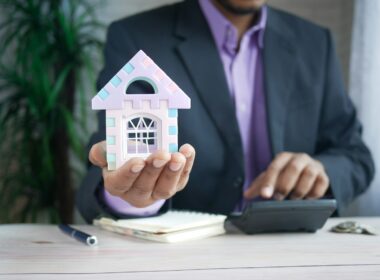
(308, 109)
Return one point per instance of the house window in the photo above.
(141, 135)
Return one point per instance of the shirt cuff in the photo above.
(123, 207)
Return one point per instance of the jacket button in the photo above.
(238, 181)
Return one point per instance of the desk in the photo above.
(43, 252)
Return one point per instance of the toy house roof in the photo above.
(140, 67)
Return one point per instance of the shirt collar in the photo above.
(224, 33)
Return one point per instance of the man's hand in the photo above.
(142, 182)
(296, 175)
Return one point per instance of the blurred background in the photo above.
(50, 55)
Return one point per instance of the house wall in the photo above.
(116, 133)
(167, 122)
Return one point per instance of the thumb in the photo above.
(97, 154)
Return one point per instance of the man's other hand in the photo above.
(290, 174)
(142, 182)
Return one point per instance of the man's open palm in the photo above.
(142, 182)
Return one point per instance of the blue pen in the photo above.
(79, 235)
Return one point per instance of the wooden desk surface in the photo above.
(43, 252)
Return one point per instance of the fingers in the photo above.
(142, 182)
(320, 187)
(166, 185)
(265, 185)
(97, 155)
(140, 194)
(291, 174)
(256, 188)
(119, 181)
(189, 152)
(306, 181)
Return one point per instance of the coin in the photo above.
(367, 229)
(354, 227)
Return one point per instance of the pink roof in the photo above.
(140, 67)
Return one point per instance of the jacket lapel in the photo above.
(201, 58)
(199, 53)
(279, 70)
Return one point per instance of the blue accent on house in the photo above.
(111, 165)
(173, 148)
(103, 94)
(115, 81)
(111, 140)
(173, 113)
(110, 122)
(128, 68)
(172, 130)
(111, 157)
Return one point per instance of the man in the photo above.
(269, 117)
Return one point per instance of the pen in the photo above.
(79, 235)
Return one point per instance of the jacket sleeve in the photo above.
(340, 147)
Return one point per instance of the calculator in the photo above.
(283, 216)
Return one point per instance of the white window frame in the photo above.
(138, 130)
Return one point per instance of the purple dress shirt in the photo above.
(244, 74)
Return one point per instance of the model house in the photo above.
(139, 124)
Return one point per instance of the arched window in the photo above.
(141, 85)
(142, 135)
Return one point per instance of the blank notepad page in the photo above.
(172, 221)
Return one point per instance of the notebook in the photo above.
(173, 226)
